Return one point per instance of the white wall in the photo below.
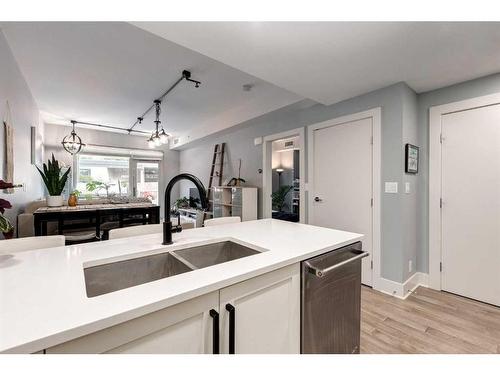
(55, 133)
(24, 112)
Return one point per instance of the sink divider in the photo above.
(182, 260)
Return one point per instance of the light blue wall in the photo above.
(405, 119)
(240, 144)
(410, 201)
(466, 90)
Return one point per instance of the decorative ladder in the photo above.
(217, 161)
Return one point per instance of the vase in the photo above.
(8, 235)
(72, 200)
(54, 200)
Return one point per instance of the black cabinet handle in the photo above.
(215, 333)
(232, 318)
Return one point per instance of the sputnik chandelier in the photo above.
(72, 143)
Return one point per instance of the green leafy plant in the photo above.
(182, 203)
(96, 186)
(5, 226)
(279, 196)
(76, 193)
(53, 177)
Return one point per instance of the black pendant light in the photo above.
(72, 142)
(159, 136)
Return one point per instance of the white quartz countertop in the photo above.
(43, 301)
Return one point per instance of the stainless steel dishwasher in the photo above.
(331, 301)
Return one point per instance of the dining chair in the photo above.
(222, 220)
(17, 245)
(141, 230)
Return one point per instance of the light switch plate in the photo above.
(407, 188)
(391, 187)
(257, 141)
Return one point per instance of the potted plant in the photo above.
(54, 180)
(182, 203)
(237, 181)
(278, 197)
(5, 226)
(96, 186)
(73, 198)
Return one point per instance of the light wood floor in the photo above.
(428, 321)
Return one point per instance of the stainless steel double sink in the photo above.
(110, 277)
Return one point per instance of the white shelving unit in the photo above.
(235, 201)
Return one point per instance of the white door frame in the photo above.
(435, 171)
(376, 115)
(267, 179)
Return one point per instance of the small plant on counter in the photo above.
(73, 198)
(5, 226)
(55, 181)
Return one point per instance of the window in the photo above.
(147, 178)
(102, 175)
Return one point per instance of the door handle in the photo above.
(215, 333)
(232, 317)
(317, 199)
(322, 272)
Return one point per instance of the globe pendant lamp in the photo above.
(72, 143)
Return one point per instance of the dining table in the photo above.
(95, 215)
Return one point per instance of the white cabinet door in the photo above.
(266, 313)
(185, 328)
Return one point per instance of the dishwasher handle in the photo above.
(322, 272)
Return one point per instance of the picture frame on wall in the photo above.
(33, 145)
(411, 158)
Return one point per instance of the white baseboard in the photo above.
(402, 290)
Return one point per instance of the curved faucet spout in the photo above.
(167, 223)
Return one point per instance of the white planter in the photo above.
(54, 200)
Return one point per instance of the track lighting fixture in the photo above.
(159, 136)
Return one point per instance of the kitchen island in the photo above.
(45, 307)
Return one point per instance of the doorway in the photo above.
(285, 196)
(283, 176)
(146, 179)
(344, 181)
(468, 184)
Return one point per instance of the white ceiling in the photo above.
(110, 73)
(333, 61)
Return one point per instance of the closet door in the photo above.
(471, 203)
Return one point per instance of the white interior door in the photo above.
(471, 203)
(343, 187)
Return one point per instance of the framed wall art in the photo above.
(411, 158)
